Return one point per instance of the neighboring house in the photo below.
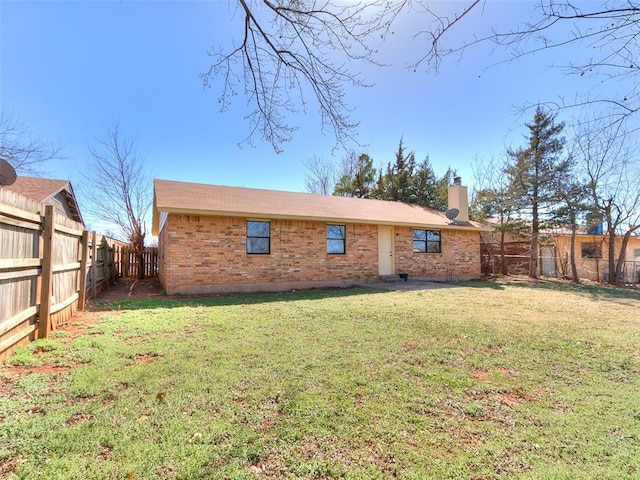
(58, 193)
(222, 239)
(591, 252)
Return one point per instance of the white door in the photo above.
(548, 261)
(386, 258)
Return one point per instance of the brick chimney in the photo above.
(458, 199)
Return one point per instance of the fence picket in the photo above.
(47, 272)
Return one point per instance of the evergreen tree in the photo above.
(360, 182)
(493, 201)
(431, 191)
(397, 184)
(425, 184)
(441, 201)
(400, 181)
(532, 173)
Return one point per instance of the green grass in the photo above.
(483, 381)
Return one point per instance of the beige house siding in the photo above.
(592, 268)
(207, 254)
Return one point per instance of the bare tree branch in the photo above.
(26, 152)
(611, 171)
(321, 175)
(291, 49)
(607, 33)
(296, 53)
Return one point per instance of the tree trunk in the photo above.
(141, 265)
(137, 242)
(535, 228)
(623, 251)
(572, 257)
(613, 279)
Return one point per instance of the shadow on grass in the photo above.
(231, 299)
(595, 291)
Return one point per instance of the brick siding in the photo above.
(207, 254)
(459, 258)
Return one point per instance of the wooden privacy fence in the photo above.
(129, 263)
(49, 266)
(516, 258)
(105, 270)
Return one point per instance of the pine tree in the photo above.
(429, 190)
(533, 172)
(441, 201)
(397, 184)
(400, 181)
(360, 181)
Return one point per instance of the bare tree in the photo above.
(120, 190)
(570, 208)
(293, 49)
(321, 175)
(26, 152)
(612, 171)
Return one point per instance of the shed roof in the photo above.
(200, 199)
(44, 190)
(37, 189)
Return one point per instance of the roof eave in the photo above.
(69, 195)
(155, 217)
(254, 215)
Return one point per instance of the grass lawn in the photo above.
(483, 381)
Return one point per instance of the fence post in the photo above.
(111, 258)
(105, 262)
(94, 265)
(82, 293)
(44, 327)
(117, 265)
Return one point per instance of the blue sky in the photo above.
(69, 69)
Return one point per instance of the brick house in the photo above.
(229, 239)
